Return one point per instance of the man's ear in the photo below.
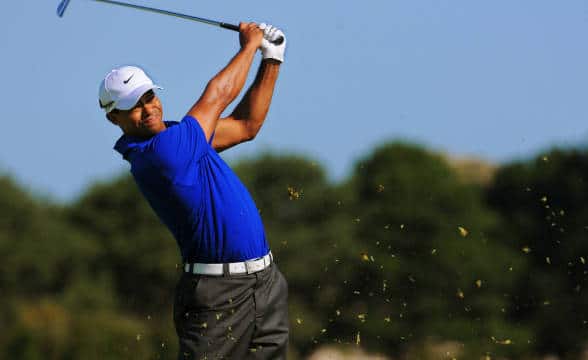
(111, 118)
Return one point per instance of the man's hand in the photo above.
(269, 50)
(250, 34)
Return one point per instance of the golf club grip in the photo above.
(229, 26)
(236, 28)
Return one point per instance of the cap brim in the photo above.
(131, 99)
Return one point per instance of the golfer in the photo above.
(231, 300)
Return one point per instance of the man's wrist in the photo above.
(249, 47)
(270, 61)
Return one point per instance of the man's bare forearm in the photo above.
(230, 80)
(225, 86)
(255, 104)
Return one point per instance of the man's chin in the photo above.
(153, 125)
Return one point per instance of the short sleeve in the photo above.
(179, 146)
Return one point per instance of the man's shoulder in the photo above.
(128, 143)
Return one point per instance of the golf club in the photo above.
(63, 5)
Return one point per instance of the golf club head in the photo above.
(61, 7)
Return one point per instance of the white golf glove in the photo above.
(269, 50)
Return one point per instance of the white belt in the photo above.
(238, 268)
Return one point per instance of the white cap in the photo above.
(123, 87)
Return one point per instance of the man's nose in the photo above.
(147, 108)
(147, 105)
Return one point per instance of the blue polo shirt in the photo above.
(195, 194)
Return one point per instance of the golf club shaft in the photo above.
(165, 12)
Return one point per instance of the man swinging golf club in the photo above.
(231, 300)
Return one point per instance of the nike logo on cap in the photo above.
(129, 79)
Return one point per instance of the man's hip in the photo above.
(232, 316)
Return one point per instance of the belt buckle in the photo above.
(253, 266)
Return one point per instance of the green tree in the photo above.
(427, 264)
(39, 251)
(61, 298)
(134, 248)
(544, 202)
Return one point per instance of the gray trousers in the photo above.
(232, 317)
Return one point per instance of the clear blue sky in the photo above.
(496, 79)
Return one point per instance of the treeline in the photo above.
(410, 252)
